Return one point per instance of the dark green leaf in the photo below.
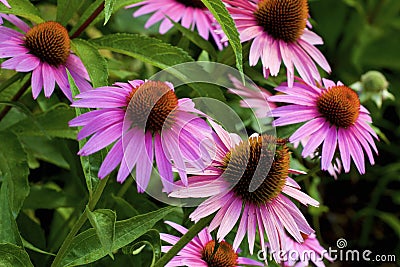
(13, 171)
(66, 9)
(23, 8)
(13, 256)
(53, 123)
(146, 49)
(8, 227)
(95, 64)
(48, 196)
(86, 15)
(197, 40)
(151, 238)
(103, 221)
(86, 246)
(108, 9)
(221, 14)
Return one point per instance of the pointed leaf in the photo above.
(108, 9)
(151, 238)
(103, 221)
(86, 246)
(221, 14)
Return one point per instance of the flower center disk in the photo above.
(340, 105)
(283, 19)
(49, 41)
(192, 3)
(247, 166)
(225, 256)
(151, 106)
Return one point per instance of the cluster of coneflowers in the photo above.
(144, 121)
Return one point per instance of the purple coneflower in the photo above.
(199, 252)
(190, 13)
(279, 33)
(334, 118)
(230, 180)
(146, 120)
(254, 98)
(44, 50)
(300, 254)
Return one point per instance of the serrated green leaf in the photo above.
(13, 256)
(13, 170)
(47, 196)
(23, 8)
(151, 238)
(144, 48)
(103, 221)
(108, 9)
(53, 123)
(95, 64)
(86, 247)
(221, 14)
(66, 9)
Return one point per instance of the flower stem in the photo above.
(88, 21)
(16, 97)
(186, 238)
(79, 223)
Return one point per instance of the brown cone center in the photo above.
(50, 42)
(249, 163)
(224, 256)
(192, 3)
(283, 19)
(152, 105)
(340, 105)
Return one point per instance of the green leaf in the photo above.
(86, 247)
(33, 248)
(49, 196)
(14, 256)
(123, 3)
(95, 64)
(151, 238)
(103, 221)
(108, 9)
(197, 40)
(146, 49)
(391, 220)
(66, 9)
(8, 226)
(13, 171)
(53, 123)
(23, 8)
(221, 14)
(86, 15)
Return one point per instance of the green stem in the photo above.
(186, 238)
(79, 223)
(88, 21)
(127, 184)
